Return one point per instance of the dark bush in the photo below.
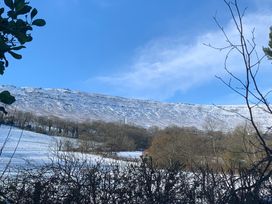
(71, 180)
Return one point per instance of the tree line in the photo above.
(92, 135)
(193, 147)
(187, 145)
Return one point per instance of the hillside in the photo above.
(80, 106)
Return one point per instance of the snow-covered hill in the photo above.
(80, 106)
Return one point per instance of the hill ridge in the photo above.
(82, 106)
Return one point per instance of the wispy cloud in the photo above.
(168, 65)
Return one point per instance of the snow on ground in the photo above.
(130, 155)
(34, 147)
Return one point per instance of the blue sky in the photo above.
(147, 49)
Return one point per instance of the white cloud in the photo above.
(165, 66)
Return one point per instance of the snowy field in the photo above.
(31, 146)
(38, 148)
(129, 155)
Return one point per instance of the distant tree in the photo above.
(175, 144)
(241, 148)
(117, 138)
(17, 19)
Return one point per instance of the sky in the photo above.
(144, 49)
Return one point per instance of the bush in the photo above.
(69, 179)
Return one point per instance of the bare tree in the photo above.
(247, 86)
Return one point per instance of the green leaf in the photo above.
(22, 38)
(6, 62)
(12, 14)
(33, 13)
(9, 3)
(18, 47)
(15, 55)
(28, 27)
(2, 67)
(24, 10)
(39, 22)
(19, 4)
(2, 11)
(3, 46)
(29, 38)
(6, 97)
